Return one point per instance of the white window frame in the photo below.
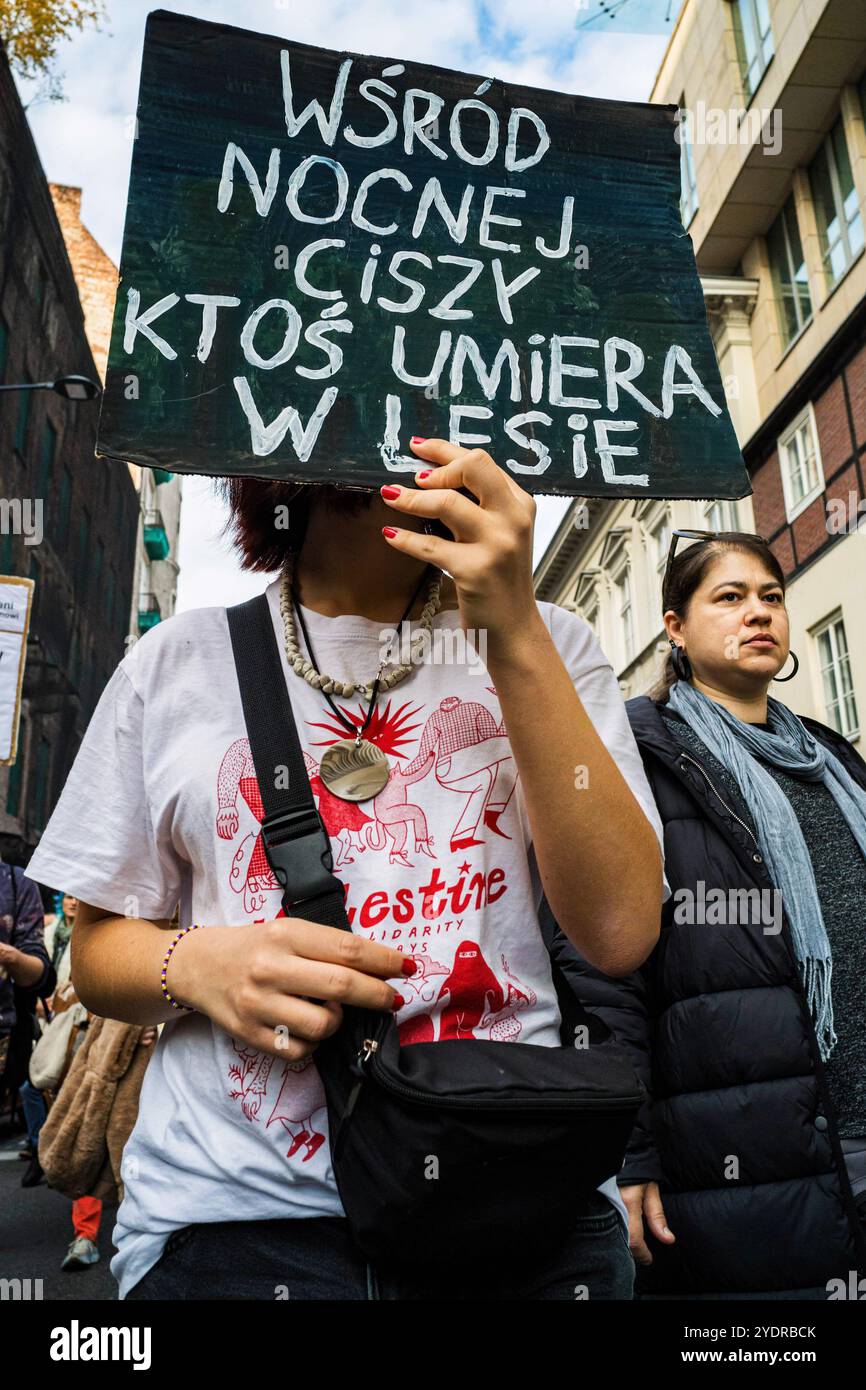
(662, 523)
(838, 660)
(622, 579)
(760, 59)
(792, 508)
(802, 319)
(843, 239)
(710, 506)
(689, 200)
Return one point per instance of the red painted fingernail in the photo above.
(417, 439)
(389, 491)
(399, 1001)
(409, 966)
(425, 473)
(389, 531)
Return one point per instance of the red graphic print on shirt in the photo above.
(301, 1095)
(463, 752)
(471, 755)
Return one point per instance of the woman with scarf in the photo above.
(58, 930)
(744, 1176)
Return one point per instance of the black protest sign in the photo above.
(325, 254)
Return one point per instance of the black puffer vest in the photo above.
(740, 1132)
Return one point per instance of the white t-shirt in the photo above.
(162, 806)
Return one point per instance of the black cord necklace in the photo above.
(353, 769)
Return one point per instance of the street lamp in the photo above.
(74, 388)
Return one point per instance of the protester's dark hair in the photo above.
(268, 518)
(687, 573)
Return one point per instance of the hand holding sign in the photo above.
(490, 558)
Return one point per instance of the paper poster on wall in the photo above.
(16, 597)
(325, 254)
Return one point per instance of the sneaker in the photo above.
(82, 1252)
(34, 1175)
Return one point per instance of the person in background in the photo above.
(87, 1211)
(25, 973)
(58, 931)
(749, 1178)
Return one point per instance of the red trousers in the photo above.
(86, 1214)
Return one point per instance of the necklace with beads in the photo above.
(353, 769)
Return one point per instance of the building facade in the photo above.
(154, 582)
(80, 552)
(773, 161)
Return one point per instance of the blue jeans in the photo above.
(33, 1104)
(318, 1259)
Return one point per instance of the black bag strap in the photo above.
(296, 841)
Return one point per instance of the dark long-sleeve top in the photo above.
(22, 925)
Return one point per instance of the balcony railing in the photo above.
(155, 538)
(149, 612)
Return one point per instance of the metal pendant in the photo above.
(354, 771)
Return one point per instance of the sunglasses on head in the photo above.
(677, 536)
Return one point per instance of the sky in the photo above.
(604, 48)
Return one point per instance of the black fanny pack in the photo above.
(439, 1149)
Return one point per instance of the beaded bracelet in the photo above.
(174, 1002)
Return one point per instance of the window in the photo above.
(788, 268)
(688, 183)
(98, 560)
(721, 516)
(7, 544)
(660, 540)
(63, 507)
(16, 776)
(36, 575)
(75, 658)
(840, 227)
(754, 39)
(40, 281)
(39, 792)
(110, 598)
(22, 420)
(46, 462)
(800, 464)
(622, 584)
(84, 549)
(835, 667)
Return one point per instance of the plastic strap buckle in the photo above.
(299, 852)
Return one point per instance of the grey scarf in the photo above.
(789, 746)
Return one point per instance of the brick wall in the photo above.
(797, 543)
(95, 273)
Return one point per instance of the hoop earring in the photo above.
(680, 662)
(782, 679)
